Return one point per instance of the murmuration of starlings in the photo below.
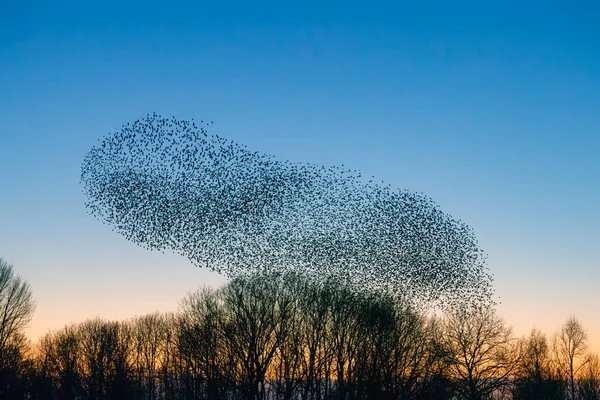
(167, 184)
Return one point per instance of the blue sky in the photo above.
(490, 109)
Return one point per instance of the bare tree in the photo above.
(288, 371)
(148, 334)
(589, 382)
(535, 360)
(16, 303)
(104, 352)
(254, 326)
(315, 304)
(481, 352)
(393, 360)
(535, 377)
(199, 342)
(59, 355)
(16, 309)
(570, 352)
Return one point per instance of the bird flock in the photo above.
(167, 184)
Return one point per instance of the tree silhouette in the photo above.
(104, 353)
(149, 338)
(589, 382)
(481, 352)
(535, 376)
(570, 351)
(60, 363)
(16, 310)
(289, 336)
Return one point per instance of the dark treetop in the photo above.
(167, 184)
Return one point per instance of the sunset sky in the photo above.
(493, 110)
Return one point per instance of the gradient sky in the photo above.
(493, 110)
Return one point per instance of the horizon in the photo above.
(490, 111)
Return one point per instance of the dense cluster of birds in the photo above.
(167, 184)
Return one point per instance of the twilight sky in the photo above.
(490, 109)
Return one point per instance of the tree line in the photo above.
(288, 336)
